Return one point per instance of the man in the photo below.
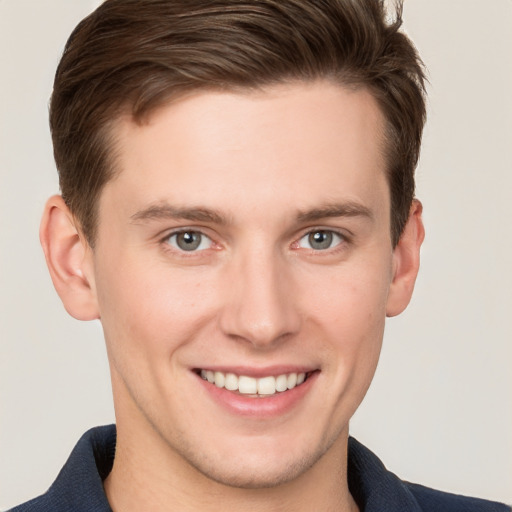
(238, 210)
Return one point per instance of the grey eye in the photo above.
(320, 240)
(189, 241)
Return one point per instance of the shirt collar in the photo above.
(374, 488)
(79, 485)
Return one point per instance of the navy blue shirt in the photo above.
(79, 485)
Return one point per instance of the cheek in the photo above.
(149, 311)
(352, 315)
(351, 299)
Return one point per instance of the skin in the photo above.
(270, 168)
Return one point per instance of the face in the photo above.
(243, 248)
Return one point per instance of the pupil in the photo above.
(320, 240)
(188, 241)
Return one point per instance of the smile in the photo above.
(264, 386)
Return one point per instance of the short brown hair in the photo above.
(135, 55)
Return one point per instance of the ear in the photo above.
(406, 261)
(69, 259)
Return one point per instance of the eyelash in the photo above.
(339, 239)
(203, 238)
(340, 243)
(333, 237)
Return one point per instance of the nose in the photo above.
(260, 305)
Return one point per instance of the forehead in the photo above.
(290, 143)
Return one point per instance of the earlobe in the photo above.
(68, 257)
(406, 261)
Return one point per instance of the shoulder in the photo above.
(433, 500)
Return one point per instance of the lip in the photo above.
(261, 407)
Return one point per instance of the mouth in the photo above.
(252, 386)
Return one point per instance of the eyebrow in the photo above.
(348, 209)
(166, 211)
(200, 214)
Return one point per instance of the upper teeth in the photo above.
(252, 386)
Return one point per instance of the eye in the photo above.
(189, 241)
(320, 240)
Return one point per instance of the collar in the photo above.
(79, 485)
(374, 488)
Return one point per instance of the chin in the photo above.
(262, 474)
(257, 465)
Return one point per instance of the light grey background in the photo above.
(440, 409)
